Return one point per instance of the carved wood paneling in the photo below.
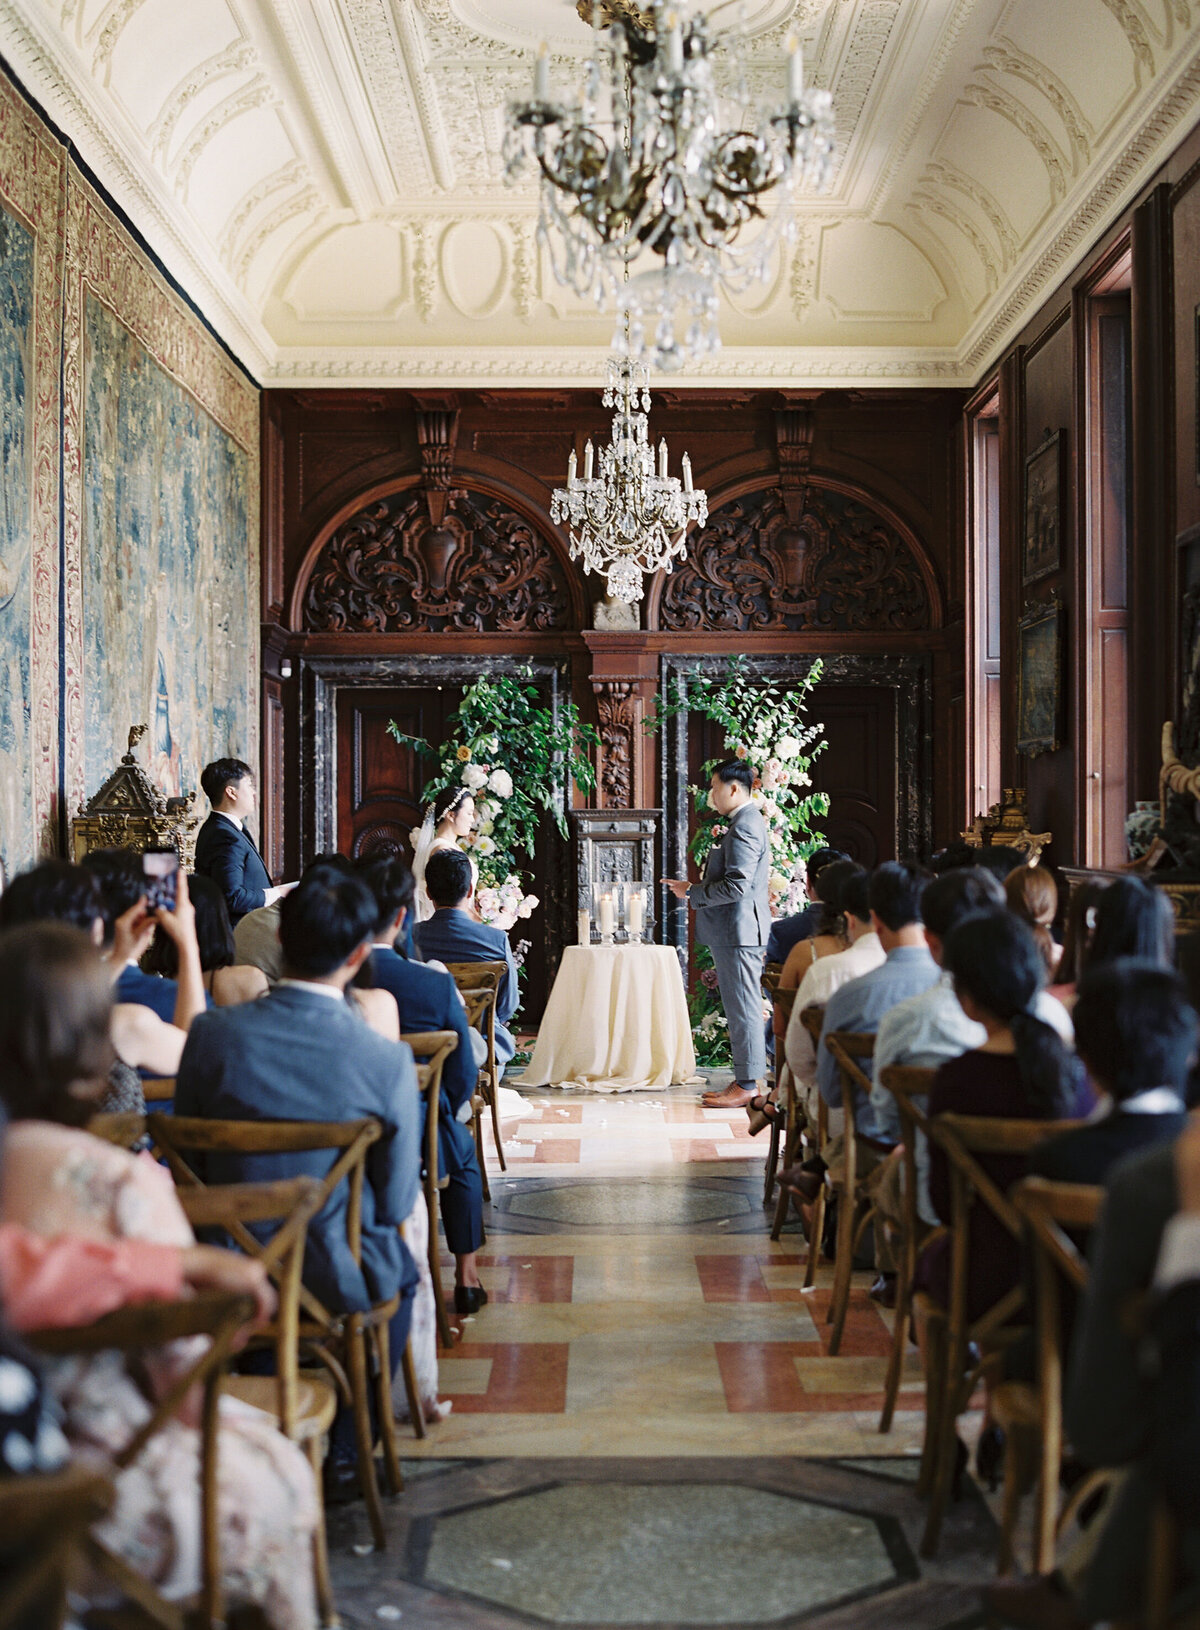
(619, 707)
(840, 566)
(482, 568)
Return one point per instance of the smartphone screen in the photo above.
(160, 867)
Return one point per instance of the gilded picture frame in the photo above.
(1045, 483)
(1039, 679)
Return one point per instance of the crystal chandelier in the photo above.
(643, 163)
(633, 517)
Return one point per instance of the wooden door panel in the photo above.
(379, 778)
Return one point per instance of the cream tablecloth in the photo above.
(616, 1021)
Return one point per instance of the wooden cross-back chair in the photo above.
(782, 1002)
(431, 1049)
(44, 1519)
(850, 1049)
(344, 1344)
(771, 974)
(126, 1128)
(949, 1380)
(144, 1328)
(1032, 1416)
(479, 984)
(812, 1018)
(909, 1085)
(303, 1405)
(158, 1089)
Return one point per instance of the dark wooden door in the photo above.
(857, 768)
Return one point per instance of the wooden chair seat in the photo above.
(316, 1401)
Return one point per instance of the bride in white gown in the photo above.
(449, 818)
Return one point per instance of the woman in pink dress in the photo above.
(56, 1179)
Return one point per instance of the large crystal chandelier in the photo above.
(632, 518)
(643, 162)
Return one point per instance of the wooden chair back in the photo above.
(851, 1049)
(813, 1020)
(44, 1518)
(770, 978)
(909, 1085)
(158, 1089)
(144, 1328)
(479, 985)
(291, 1202)
(964, 1138)
(126, 1129)
(432, 1048)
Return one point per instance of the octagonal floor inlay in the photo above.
(694, 1554)
(627, 1206)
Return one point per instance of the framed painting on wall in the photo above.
(1039, 679)
(1045, 483)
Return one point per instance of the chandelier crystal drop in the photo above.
(632, 517)
(642, 163)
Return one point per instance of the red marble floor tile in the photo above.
(865, 1335)
(685, 1149)
(557, 1151)
(759, 1377)
(685, 1114)
(528, 1378)
(556, 1114)
(732, 1279)
(529, 1279)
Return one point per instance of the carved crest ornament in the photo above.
(393, 568)
(833, 564)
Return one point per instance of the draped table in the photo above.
(616, 1021)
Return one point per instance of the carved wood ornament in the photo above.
(619, 707)
(478, 567)
(796, 557)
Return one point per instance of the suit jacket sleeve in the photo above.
(829, 1077)
(509, 994)
(194, 1070)
(1108, 1397)
(394, 1162)
(459, 1073)
(227, 868)
(743, 845)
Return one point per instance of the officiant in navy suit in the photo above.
(733, 918)
(225, 851)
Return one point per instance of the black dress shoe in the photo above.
(469, 1299)
(883, 1290)
(339, 1482)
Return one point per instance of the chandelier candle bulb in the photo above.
(589, 456)
(662, 459)
(674, 44)
(795, 70)
(541, 74)
(686, 465)
(572, 466)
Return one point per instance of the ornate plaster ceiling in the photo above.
(323, 176)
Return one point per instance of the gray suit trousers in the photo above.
(739, 970)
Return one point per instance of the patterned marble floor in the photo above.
(638, 1307)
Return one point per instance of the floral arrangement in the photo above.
(764, 724)
(515, 757)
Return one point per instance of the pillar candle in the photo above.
(636, 908)
(584, 917)
(606, 916)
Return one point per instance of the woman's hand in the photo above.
(208, 1267)
(132, 933)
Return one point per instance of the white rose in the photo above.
(500, 782)
(486, 828)
(474, 777)
(778, 882)
(483, 845)
(787, 747)
(528, 906)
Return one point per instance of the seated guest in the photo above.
(829, 937)
(788, 931)
(256, 935)
(122, 885)
(56, 891)
(428, 999)
(55, 1013)
(1033, 896)
(225, 851)
(226, 984)
(827, 974)
(1133, 919)
(1022, 1071)
(1077, 936)
(453, 934)
(303, 1053)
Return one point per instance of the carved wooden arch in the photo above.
(426, 576)
(762, 566)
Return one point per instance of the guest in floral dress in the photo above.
(55, 1050)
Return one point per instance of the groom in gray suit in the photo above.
(733, 918)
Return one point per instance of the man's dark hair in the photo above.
(448, 877)
(735, 770)
(331, 861)
(1133, 919)
(216, 778)
(856, 896)
(1134, 1027)
(962, 892)
(54, 891)
(896, 893)
(999, 859)
(122, 882)
(323, 921)
(955, 856)
(820, 858)
(391, 882)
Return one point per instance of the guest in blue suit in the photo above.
(225, 851)
(302, 1053)
(453, 934)
(428, 999)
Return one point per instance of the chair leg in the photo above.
(1010, 1506)
(935, 1380)
(772, 1165)
(445, 1333)
(815, 1235)
(947, 1450)
(387, 1414)
(891, 1387)
(493, 1097)
(326, 1605)
(842, 1269)
(356, 1363)
(477, 1130)
(416, 1412)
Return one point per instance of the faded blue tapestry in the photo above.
(17, 837)
(169, 601)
